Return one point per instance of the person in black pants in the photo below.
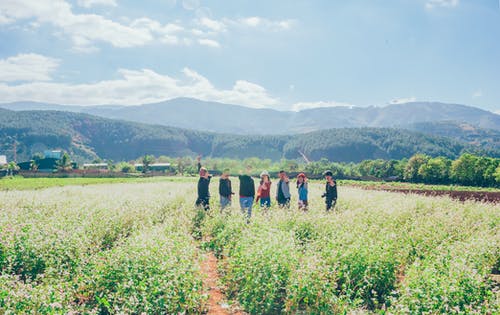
(247, 194)
(203, 199)
(225, 190)
(330, 194)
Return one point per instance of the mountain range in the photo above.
(187, 127)
(199, 115)
(87, 137)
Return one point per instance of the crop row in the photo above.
(107, 249)
(379, 252)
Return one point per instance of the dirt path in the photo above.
(216, 299)
(482, 196)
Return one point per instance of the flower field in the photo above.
(137, 247)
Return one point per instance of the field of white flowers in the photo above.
(132, 248)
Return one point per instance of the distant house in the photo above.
(53, 154)
(47, 165)
(95, 166)
(156, 167)
(3, 160)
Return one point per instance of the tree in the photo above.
(125, 167)
(111, 165)
(147, 160)
(497, 175)
(412, 167)
(37, 156)
(34, 164)
(435, 171)
(64, 164)
(463, 169)
(12, 167)
(486, 167)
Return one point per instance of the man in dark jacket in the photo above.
(203, 199)
(283, 190)
(225, 190)
(330, 194)
(247, 194)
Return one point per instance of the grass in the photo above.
(20, 183)
(134, 247)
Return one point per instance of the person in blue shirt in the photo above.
(302, 190)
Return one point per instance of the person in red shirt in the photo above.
(264, 191)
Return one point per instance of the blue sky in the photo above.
(276, 54)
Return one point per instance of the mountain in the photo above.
(217, 117)
(487, 138)
(87, 137)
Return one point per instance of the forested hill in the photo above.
(87, 137)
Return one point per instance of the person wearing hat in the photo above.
(283, 190)
(330, 194)
(264, 190)
(225, 190)
(302, 190)
(203, 200)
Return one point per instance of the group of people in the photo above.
(248, 195)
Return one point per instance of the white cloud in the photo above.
(430, 4)
(27, 67)
(137, 87)
(4, 19)
(308, 105)
(403, 100)
(497, 112)
(91, 3)
(262, 23)
(214, 25)
(87, 30)
(253, 21)
(80, 27)
(209, 43)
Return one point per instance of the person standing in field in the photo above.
(330, 194)
(264, 191)
(203, 200)
(247, 194)
(283, 191)
(225, 190)
(302, 188)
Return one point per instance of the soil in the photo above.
(483, 196)
(216, 300)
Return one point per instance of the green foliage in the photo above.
(64, 164)
(435, 171)
(147, 160)
(125, 167)
(413, 166)
(373, 255)
(130, 254)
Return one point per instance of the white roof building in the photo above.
(3, 159)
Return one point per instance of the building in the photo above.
(155, 167)
(53, 154)
(95, 166)
(3, 160)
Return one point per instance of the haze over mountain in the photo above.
(87, 137)
(217, 117)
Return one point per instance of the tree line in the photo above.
(468, 169)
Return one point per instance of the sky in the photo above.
(280, 54)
